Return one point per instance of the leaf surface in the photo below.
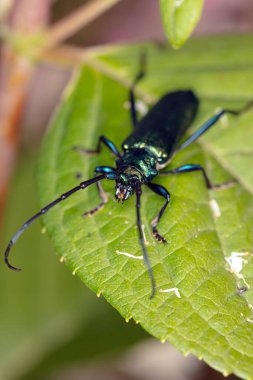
(211, 319)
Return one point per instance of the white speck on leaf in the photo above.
(129, 255)
(144, 235)
(141, 107)
(215, 208)
(236, 261)
(175, 290)
(63, 259)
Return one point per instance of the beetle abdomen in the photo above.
(164, 125)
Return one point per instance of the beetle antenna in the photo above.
(142, 242)
(64, 196)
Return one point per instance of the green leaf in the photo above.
(211, 319)
(180, 18)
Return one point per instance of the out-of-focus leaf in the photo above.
(179, 19)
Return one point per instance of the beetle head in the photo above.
(128, 180)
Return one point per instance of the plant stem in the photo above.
(76, 20)
(16, 71)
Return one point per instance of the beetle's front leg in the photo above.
(160, 190)
(103, 195)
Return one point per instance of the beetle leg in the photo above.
(210, 122)
(194, 167)
(102, 139)
(160, 190)
(132, 101)
(104, 199)
(103, 195)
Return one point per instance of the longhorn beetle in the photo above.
(154, 141)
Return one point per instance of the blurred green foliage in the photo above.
(179, 19)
